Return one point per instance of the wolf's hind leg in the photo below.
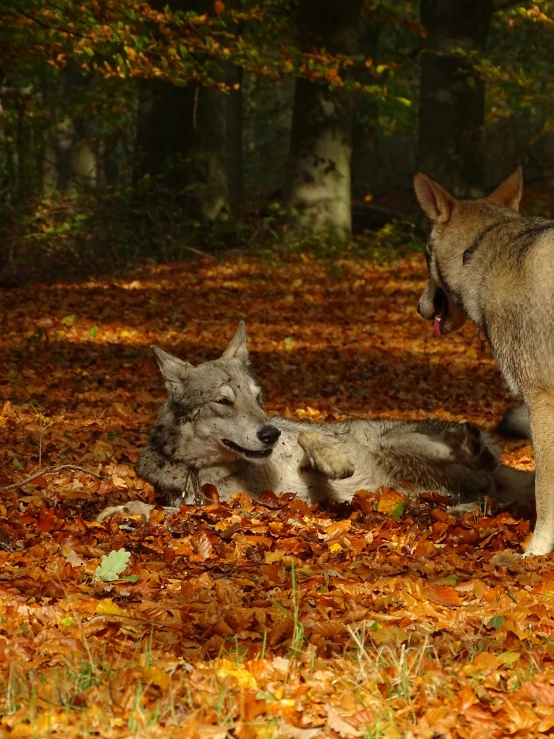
(471, 447)
(511, 484)
(325, 456)
(434, 455)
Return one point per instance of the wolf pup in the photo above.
(488, 262)
(213, 429)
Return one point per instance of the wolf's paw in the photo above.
(470, 447)
(325, 457)
(133, 508)
(542, 542)
(462, 508)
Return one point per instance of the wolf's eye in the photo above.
(224, 401)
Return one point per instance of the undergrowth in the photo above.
(76, 236)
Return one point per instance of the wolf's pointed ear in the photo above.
(172, 368)
(237, 346)
(510, 191)
(437, 204)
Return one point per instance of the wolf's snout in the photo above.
(269, 434)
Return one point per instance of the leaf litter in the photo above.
(383, 617)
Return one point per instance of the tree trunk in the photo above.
(70, 157)
(181, 138)
(317, 190)
(452, 96)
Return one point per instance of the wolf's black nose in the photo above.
(269, 434)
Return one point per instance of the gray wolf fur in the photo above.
(515, 423)
(489, 263)
(213, 429)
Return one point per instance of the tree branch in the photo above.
(48, 471)
(48, 27)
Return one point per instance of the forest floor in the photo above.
(248, 620)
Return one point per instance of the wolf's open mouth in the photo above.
(441, 310)
(247, 452)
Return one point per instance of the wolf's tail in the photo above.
(515, 423)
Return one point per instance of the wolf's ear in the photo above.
(237, 346)
(172, 368)
(437, 204)
(510, 191)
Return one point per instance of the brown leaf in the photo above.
(342, 727)
(46, 521)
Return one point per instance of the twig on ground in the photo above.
(50, 470)
(198, 252)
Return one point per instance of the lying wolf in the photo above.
(213, 429)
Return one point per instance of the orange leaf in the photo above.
(46, 521)
(219, 7)
(443, 593)
(210, 492)
(539, 691)
(387, 500)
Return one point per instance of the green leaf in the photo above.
(508, 658)
(496, 622)
(398, 510)
(66, 621)
(68, 320)
(17, 464)
(93, 331)
(111, 566)
(288, 340)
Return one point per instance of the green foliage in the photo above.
(496, 622)
(398, 511)
(112, 566)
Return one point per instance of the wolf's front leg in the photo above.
(541, 412)
(325, 456)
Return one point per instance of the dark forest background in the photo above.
(131, 130)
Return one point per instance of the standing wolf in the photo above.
(488, 262)
(213, 429)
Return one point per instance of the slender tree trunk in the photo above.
(365, 126)
(452, 95)
(235, 172)
(318, 178)
(234, 115)
(181, 137)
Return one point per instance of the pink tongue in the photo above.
(438, 327)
